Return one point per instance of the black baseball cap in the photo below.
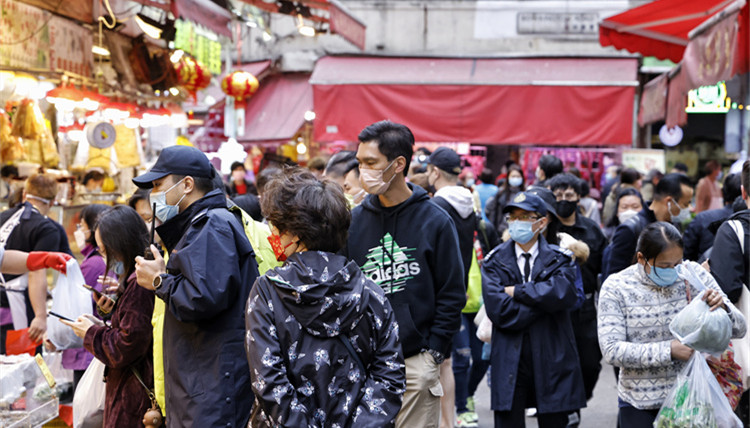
(446, 159)
(527, 202)
(177, 160)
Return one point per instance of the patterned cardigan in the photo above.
(634, 316)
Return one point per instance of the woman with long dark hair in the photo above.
(494, 208)
(124, 346)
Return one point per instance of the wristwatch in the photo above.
(437, 356)
(158, 280)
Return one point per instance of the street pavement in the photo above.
(600, 413)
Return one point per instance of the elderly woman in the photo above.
(636, 306)
(322, 339)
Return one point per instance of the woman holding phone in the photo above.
(124, 346)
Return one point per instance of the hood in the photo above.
(460, 198)
(172, 230)
(323, 291)
(372, 203)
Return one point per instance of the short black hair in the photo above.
(124, 236)
(629, 176)
(551, 165)
(92, 175)
(9, 171)
(565, 181)
(341, 163)
(315, 210)
(394, 140)
(89, 215)
(679, 166)
(486, 176)
(585, 188)
(237, 165)
(202, 184)
(658, 237)
(250, 204)
(671, 185)
(731, 189)
(746, 176)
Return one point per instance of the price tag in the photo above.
(45, 370)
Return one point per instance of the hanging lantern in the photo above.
(239, 85)
(192, 75)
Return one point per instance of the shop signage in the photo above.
(557, 23)
(708, 56)
(643, 160)
(70, 47)
(25, 24)
(200, 43)
(709, 99)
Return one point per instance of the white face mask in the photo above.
(372, 179)
(626, 215)
(682, 216)
(80, 237)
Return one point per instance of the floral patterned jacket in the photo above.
(302, 373)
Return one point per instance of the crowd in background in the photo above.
(382, 286)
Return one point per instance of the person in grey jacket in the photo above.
(322, 339)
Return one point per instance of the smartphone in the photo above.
(93, 290)
(60, 316)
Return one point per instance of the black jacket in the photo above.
(465, 227)
(411, 251)
(302, 373)
(621, 250)
(699, 237)
(588, 231)
(729, 265)
(539, 309)
(210, 271)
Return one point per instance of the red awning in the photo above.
(542, 101)
(662, 28)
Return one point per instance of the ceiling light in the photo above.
(309, 115)
(176, 56)
(99, 50)
(148, 26)
(301, 148)
(303, 28)
(267, 37)
(174, 91)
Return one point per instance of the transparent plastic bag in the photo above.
(702, 329)
(696, 400)
(69, 299)
(89, 397)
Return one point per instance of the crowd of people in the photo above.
(356, 292)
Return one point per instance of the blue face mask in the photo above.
(515, 181)
(165, 211)
(663, 277)
(119, 268)
(521, 231)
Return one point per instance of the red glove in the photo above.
(43, 259)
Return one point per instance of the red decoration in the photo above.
(192, 75)
(240, 85)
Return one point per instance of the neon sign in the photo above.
(709, 99)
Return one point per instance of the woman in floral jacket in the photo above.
(636, 306)
(322, 339)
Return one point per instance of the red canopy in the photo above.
(661, 28)
(541, 101)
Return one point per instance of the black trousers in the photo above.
(525, 396)
(587, 342)
(630, 417)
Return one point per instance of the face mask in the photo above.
(515, 181)
(663, 277)
(682, 216)
(566, 208)
(118, 268)
(720, 176)
(238, 176)
(521, 231)
(626, 215)
(80, 237)
(165, 211)
(470, 182)
(372, 180)
(278, 250)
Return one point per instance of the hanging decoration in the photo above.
(192, 75)
(240, 85)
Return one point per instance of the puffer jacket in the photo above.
(298, 318)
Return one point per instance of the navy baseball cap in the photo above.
(527, 202)
(547, 196)
(177, 160)
(446, 159)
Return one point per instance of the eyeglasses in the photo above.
(510, 219)
(567, 196)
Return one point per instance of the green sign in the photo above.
(709, 99)
(200, 43)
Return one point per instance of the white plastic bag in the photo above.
(71, 300)
(89, 397)
(702, 329)
(696, 400)
(484, 326)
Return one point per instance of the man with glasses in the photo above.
(671, 203)
(528, 289)
(567, 191)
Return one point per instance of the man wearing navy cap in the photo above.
(204, 286)
(528, 288)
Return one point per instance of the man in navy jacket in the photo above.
(529, 288)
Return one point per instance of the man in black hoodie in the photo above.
(409, 247)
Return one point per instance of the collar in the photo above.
(534, 250)
(88, 250)
(173, 229)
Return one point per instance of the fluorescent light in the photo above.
(303, 28)
(176, 55)
(267, 37)
(151, 30)
(301, 148)
(99, 50)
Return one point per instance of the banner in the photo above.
(708, 56)
(70, 47)
(644, 160)
(653, 101)
(24, 37)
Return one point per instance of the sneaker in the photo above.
(467, 420)
(531, 412)
(470, 404)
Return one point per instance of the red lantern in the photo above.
(239, 85)
(192, 75)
